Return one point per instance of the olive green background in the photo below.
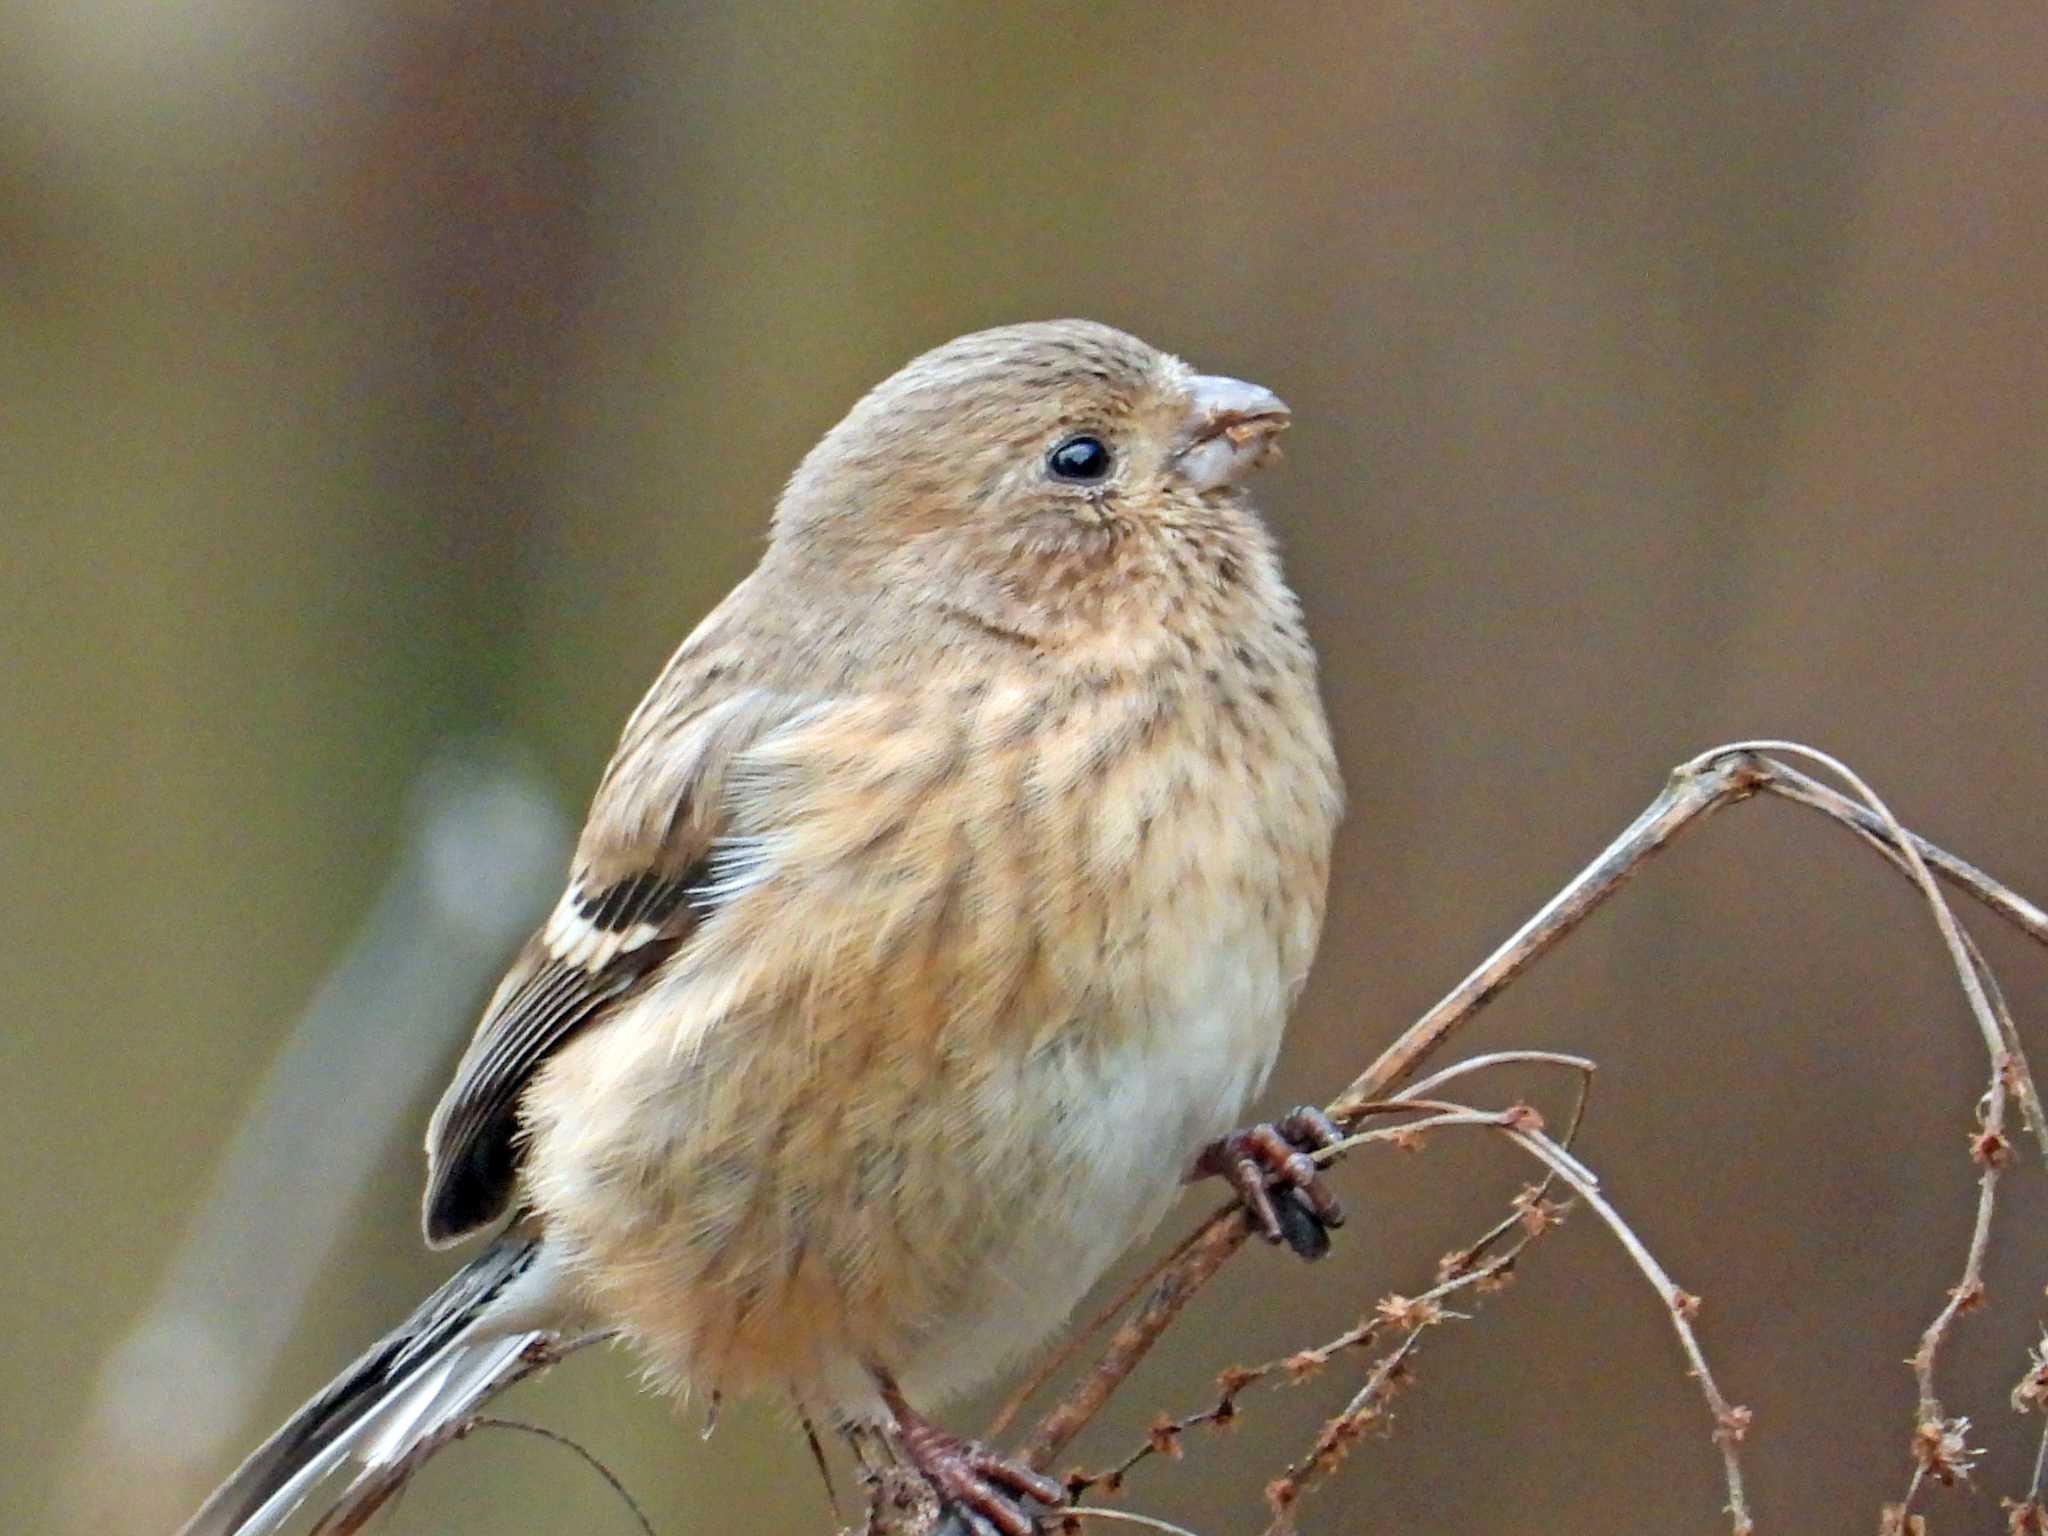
(379, 375)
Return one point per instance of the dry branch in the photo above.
(1697, 788)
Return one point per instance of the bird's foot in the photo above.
(1270, 1167)
(989, 1491)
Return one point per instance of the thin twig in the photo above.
(1695, 790)
(1940, 1446)
(1520, 1126)
(1367, 1408)
(1463, 1269)
(2027, 1516)
(1583, 1065)
(1997, 1038)
(1793, 785)
(1365, 1412)
(1085, 1512)
(1731, 1422)
(1070, 1346)
(1533, 1199)
(1458, 1271)
(589, 1458)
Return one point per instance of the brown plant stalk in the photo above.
(1697, 788)
(1469, 1267)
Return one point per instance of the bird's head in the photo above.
(1027, 455)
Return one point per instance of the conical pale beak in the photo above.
(1229, 430)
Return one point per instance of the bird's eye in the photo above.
(1080, 460)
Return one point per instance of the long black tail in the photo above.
(416, 1388)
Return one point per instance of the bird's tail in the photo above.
(414, 1390)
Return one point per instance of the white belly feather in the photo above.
(1127, 1124)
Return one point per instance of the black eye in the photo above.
(1082, 460)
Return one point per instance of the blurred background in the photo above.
(388, 387)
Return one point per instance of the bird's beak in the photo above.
(1228, 431)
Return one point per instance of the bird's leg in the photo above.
(984, 1486)
(803, 1417)
(1282, 1187)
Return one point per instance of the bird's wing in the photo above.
(646, 874)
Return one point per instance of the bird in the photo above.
(934, 923)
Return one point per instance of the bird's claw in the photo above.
(988, 1490)
(1270, 1167)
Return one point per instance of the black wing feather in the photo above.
(473, 1159)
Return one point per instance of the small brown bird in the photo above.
(934, 922)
